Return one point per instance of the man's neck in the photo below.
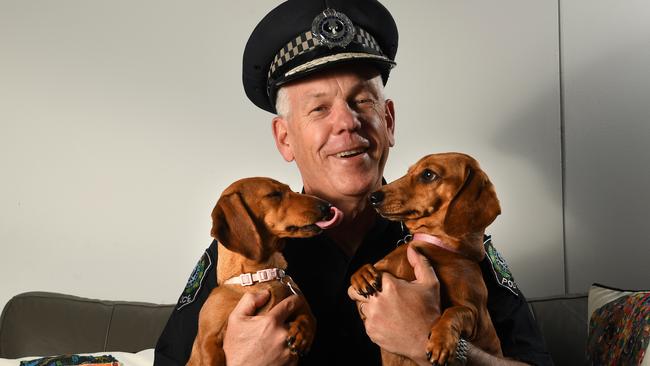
(349, 234)
(358, 219)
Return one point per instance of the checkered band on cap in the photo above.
(306, 42)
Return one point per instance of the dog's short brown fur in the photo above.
(446, 195)
(250, 221)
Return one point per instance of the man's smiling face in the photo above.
(338, 128)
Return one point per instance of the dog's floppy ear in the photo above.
(234, 228)
(474, 206)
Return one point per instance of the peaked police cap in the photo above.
(300, 37)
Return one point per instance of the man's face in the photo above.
(338, 129)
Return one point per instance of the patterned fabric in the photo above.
(306, 42)
(619, 331)
(70, 360)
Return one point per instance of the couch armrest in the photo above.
(43, 323)
(563, 323)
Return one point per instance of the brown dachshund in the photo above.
(446, 201)
(250, 221)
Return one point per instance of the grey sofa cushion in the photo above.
(563, 322)
(42, 323)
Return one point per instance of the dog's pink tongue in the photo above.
(337, 216)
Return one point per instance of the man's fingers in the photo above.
(282, 310)
(250, 302)
(424, 272)
(354, 294)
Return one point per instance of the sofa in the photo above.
(43, 323)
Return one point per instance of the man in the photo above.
(321, 66)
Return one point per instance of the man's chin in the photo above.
(361, 187)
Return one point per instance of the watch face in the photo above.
(332, 28)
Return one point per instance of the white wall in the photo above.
(122, 121)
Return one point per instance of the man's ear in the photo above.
(389, 116)
(280, 127)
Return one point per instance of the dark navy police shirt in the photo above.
(323, 271)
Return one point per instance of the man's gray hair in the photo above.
(282, 103)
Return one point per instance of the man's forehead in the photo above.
(325, 83)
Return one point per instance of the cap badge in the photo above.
(332, 28)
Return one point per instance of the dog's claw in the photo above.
(369, 290)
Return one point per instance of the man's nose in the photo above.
(345, 118)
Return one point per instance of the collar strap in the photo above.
(249, 279)
(437, 242)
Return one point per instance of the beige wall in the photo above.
(122, 121)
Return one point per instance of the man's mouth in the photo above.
(351, 153)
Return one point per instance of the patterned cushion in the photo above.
(619, 326)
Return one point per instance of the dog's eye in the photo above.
(275, 195)
(428, 175)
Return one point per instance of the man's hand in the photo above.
(259, 339)
(399, 318)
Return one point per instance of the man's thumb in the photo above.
(250, 302)
(424, 272)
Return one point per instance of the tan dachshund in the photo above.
(251, 220)
(446, 201)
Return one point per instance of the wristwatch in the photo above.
(462, 347)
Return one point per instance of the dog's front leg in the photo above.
(445, 333)
(212, 352)
(301, 335)
(367, 279)
(207, 351)
(302, 330)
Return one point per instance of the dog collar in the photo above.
(264, 275)
(431, 239)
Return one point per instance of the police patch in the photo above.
(499, 267)
(195, 281)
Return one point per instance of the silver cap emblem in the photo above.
(332, 28)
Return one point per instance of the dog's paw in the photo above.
(366, 280)
(441, 346)
(301, 336)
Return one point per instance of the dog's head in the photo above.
(445, 192)
(254, 214)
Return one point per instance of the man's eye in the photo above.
(428, 175)
(319, 109)
(366, 101)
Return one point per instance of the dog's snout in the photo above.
(376, 198)
(325, 209)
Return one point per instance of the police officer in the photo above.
(320, 67)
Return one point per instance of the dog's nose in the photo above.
(376, 198)
(325, 209)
